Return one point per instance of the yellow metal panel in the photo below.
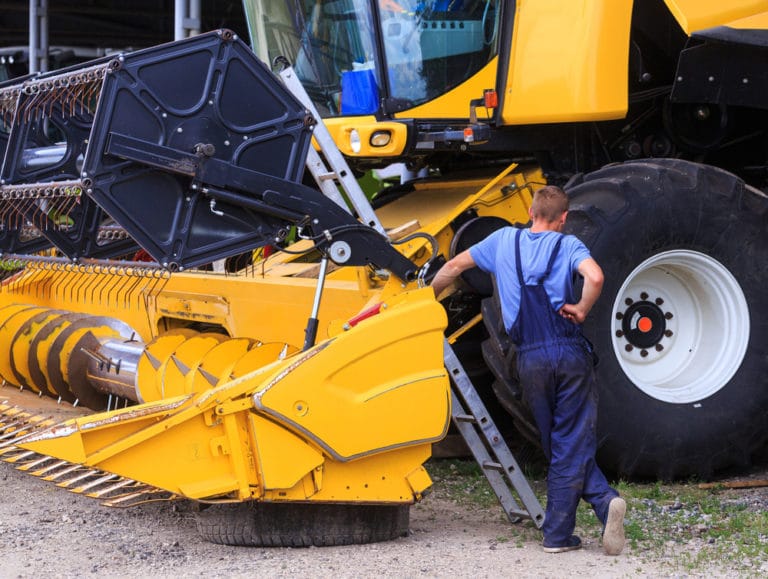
(266, 308)
(283, 458)
(569, 61)
(693, 15)
(455, 103)
(199, 307)
(384, 404)
(167, 444)
(756, 22)
(382, 477)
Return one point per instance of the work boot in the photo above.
(613, 535)
(571, 544)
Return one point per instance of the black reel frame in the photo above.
(194, 148)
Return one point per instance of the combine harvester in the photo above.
(303, 395)
(317, 376)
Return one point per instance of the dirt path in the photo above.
(46, 531)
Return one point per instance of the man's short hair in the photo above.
(549, 203)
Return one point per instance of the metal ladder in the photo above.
(488, 446)
(339, 174)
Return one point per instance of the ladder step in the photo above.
(493, 466)
(329, 176)
(465, 418)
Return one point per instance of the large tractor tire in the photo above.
(681, 327)
(258, 524)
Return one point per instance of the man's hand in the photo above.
(593, 285)
(573, 313)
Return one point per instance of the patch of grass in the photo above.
(463, 482)
(680, 525)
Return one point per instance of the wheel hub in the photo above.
(643, 324)
(680, 326)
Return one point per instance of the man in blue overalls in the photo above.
(534, 268)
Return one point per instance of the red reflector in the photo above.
(364, 315)
(491, 98)
(469, 135)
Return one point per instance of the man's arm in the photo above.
(452, 269)
(593, 285)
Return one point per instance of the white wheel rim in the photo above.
(680, 326)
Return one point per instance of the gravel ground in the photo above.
(46, 531)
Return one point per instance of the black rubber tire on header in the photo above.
(290, 524)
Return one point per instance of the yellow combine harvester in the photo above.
(297, 390)
(244, 339)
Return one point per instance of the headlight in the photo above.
(380, 138)
(354, 141)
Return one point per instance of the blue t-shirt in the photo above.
(496, 253)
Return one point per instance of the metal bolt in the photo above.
(629, 348)
(643, 296)
(659, 301)
(179, 130)
(629, 301)
(669, 315)
(668, 333)
(643, 353)
(619, 316)
(619, 333)
(659, 347)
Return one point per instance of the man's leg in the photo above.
(537, 376)
(555, 401)
(608, 506)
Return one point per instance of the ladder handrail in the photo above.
(341, 171)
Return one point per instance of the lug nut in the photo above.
(659, 347)
(619, 333)
(628, 348)
(643, 353)
(628, 301)
(669, 315)
(643, 296)
(619, 316)
(668, 333)
(659, 301)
